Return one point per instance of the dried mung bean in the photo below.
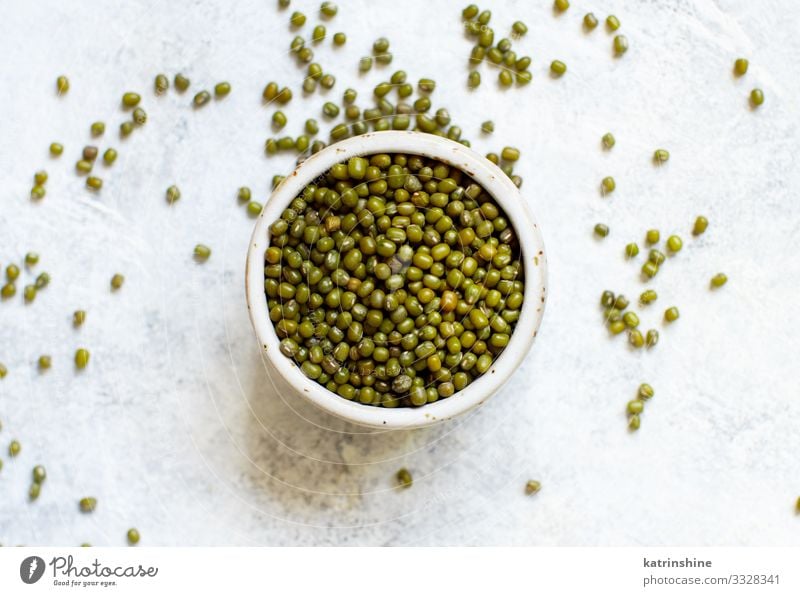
(328, 9)
(645, 391)
(181, 82)
(201, 99)
(161, 84)
(131, 100)
(532, 487)
(719, 280)
(404, 478)
(652, 338)
(39, 474)
(173, 194)
(648, 296)
(700, 225)
(87, 504)
(674, 243)
(298, 19)
(62, 85)
(222, 89)
(254, 208)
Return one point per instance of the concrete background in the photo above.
(176, 428)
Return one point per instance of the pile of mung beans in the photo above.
(395, 280)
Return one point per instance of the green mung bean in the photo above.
(404, 478)
(131, 100)
(181, 82)
(222, 89)
(202, 252)
(558, 68)
(87, 504)
(298, 19)
(201, 99)
(62, 85)
(719, 280)
(532, 487)
(173, 194)
(161, 84)
(700, 225)
(660, 156)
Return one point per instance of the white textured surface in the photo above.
(175, 427)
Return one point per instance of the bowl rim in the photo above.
(505, 193)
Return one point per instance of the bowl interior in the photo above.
(507, 196)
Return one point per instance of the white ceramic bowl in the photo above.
(496, 183)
